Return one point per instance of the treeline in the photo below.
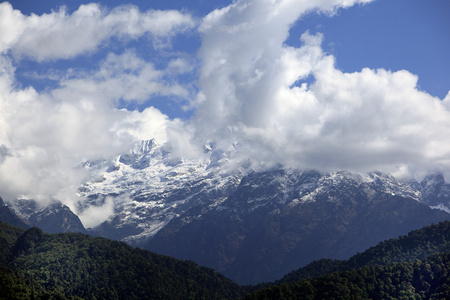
(36, 265)
(428, 279)
(414, 266)
(417, 245)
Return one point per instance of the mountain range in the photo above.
(251, 224)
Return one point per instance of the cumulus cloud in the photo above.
(254, 89)
(45, 134)
(61, 35)
(245, 61)
(150, 123)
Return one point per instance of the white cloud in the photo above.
(59, 35)
(254, 89)
(45, 134)
(242, 52)
(150, 123)
(95, 215)
(11, 25)
(121, 77)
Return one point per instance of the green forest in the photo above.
(36, 265)
(417, 245)
(426, 279)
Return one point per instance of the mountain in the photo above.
(251, 224)
(149, 187)
(52, 218)
(76, 266)
(279, 220)
(436, 192)
(7, 216)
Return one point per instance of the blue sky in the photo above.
(337, 84)
(401, 34)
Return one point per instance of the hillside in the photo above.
(415, 265)
(416, 245)
(76, 265)
(428, 279)
(73, 265)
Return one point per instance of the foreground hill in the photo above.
(73, 266)
(428, 279)
(76, 265)
(416, 245)
(414, 266)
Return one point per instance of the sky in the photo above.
(332, 84)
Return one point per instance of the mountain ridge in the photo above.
(152, 181)
(155, 199)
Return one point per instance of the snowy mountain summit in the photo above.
(148, 187)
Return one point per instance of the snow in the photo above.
(158, 186)
(150, 187)
(441, 207)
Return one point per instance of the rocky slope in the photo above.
(280, 220)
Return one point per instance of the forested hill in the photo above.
(73, 265)
(428, 279)
(415, 266)
(418, 244)
(36, 265)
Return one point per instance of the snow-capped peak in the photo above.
(147, 187)
(143, 147)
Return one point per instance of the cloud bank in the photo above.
(279, 104)
(45, 135)
(292, 106)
